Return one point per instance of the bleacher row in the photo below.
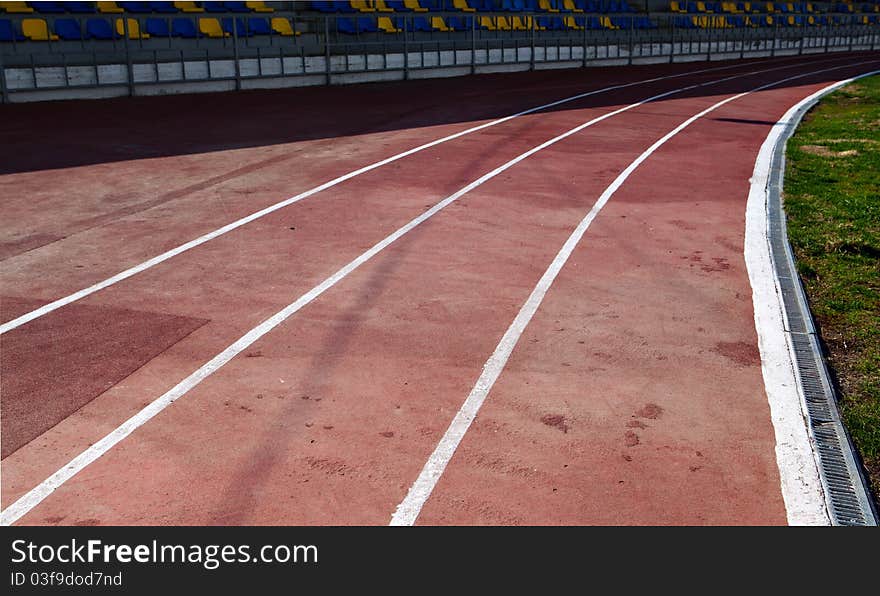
(157, 19)
(161, 24)
(772, 14)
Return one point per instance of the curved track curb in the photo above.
(844, 487)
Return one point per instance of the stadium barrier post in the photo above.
(474, 44)
(235, 52)
(327, 48)
(405, 48)
(532, 44)
(672, 43)
(129, 69)
(631, 25)
(586, 20)
(4, 94)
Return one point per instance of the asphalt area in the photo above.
(303, 365)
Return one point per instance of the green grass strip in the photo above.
(832, 199)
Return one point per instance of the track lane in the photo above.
(638, 397)
(541, 181)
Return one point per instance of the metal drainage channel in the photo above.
(846, 489)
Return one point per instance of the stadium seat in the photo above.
(80, 7)
(8, 32)
(546, 6)
(414, 6)
(362, 6)
(240, 30)
(108, 7)
(210, 27)
(259, 7)
(164, 7)
(99, 29)
(259, 26)
(463, 6)
(188, 7)
(36, 30)
(282, 26)
(68, 29)
(49, 7)
(136, 7)
(214, 7)
(460, 23)
(157, 27)
(389, 26)
(16, 7)
(134, 29)
(184, 27)
(439, 24)
(236, 7)
(571, 23)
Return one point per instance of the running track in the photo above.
(631, 394)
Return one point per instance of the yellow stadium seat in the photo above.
(108, 7)
(463, 5)
(503, 24)
(19, 7)
(259, 7)
(488, 23)
(362, 5)
(282, 26)
(386, 25)
(677, 7)
(211, 27)
(769, 7)
(701, 7)
(571, 23)
(382, 7)
(545, 5)
(607, 24)
(37, 30)
(570, 5)
(519, 24)
(414, 6)
(769, 20)
(439, 24)
(134, 30)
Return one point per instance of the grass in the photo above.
(832, 198)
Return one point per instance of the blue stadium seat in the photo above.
(397, 5)
(136, 7)
(99, 29)
(357, 25)
(236, 7)
(8, 32)
(214, 6)
(460, 23)
(68, 29)
(49, 7)
(422, 24)
(240, 27)
(259, 26)
(157, 27)
(80, 7)
(164, 7)
(184, 27)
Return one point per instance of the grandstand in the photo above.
(137, 46)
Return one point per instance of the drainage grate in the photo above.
(846, 490)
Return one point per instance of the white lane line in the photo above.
(149, 263)
(805, 503)
(408, 510)
(45, 488)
